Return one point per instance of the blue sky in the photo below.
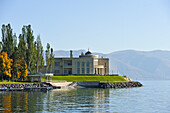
(101, 25)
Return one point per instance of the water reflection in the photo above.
(21, 101)
(84, 100)
(72, 100)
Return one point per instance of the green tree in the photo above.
(34, 60)
(8, 39)
(0, 46)
(30, 48)
(15, 67)
(22, 48)
(40, 59)
(22, 73)
(47, 54)
(51, 60)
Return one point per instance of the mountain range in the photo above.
(138, 65)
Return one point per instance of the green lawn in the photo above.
(14, 82)
(85, 78)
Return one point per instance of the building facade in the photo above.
(84, 64)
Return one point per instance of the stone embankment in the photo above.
(27, 87)
(120, 85)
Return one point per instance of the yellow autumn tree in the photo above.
(5, 65)
(22, 68)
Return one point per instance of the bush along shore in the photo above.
(120, 85)
(24, 87)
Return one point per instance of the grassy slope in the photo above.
(86, 78)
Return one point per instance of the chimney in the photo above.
(71, 54)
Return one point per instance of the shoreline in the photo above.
(83, 84)
(24, 87)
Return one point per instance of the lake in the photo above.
(153, 97)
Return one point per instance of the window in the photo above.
(78, 70)
(67, 63)
(78, 64)
(57, 63)
(65, 71)
(87, 64)
(57, 71)
(95, 61)
(82, 64)
(82, 70)
(87, 71)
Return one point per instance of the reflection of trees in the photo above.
(7, 102)
(78, 99)
(21, 101)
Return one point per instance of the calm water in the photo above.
(154, 97)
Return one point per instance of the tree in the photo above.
(47, 54)
(0, 46)
(8, 39)
(30, 48)
(34, 60)
(19, 65)
(22, 47)
(40, 59)
(51, 60)
(22, 73)
(5, 65)
(82, 54)
(15, 67)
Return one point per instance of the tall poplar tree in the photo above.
(51, 60)
(34, 60)
(22, 47)
(8, 39)
(15, 67)
(47, 55)
(30, 48)
(40, 59)
(0, 46)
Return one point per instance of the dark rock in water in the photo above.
(120, 85)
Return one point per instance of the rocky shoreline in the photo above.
(85, 84)
(25, 87)
(120, 85)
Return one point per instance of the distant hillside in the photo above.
(138, 65)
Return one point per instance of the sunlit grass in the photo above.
(6, 82)
(85, 78)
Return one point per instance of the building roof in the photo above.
(88, 53)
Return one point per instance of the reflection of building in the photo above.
(101, 98)
(84, 64)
